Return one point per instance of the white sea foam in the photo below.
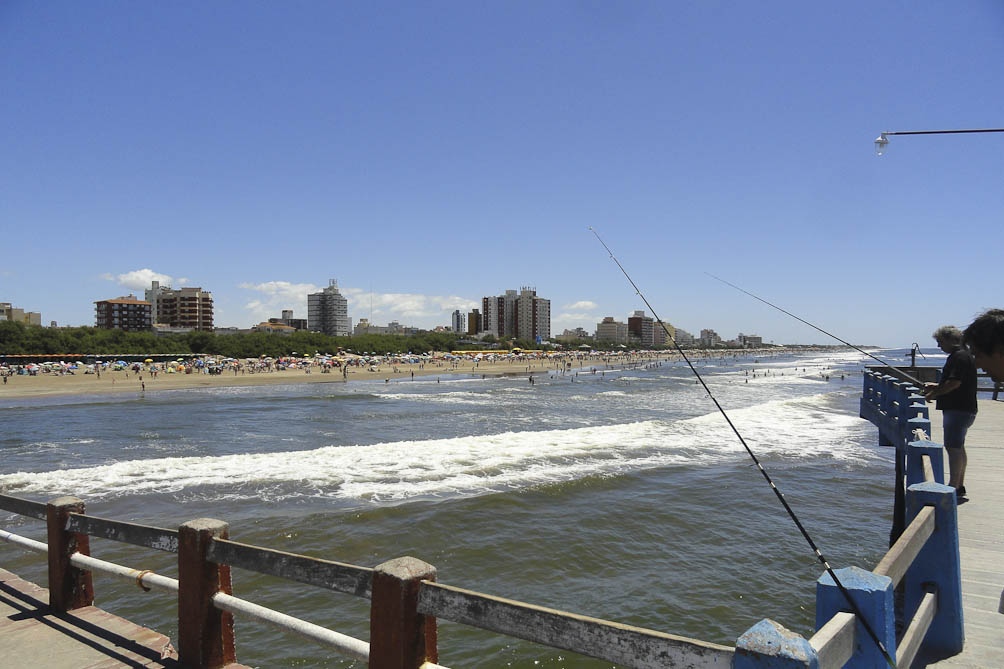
(472, 465)
(456, 397)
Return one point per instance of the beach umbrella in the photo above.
(148, 360)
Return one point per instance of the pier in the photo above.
(950, 574)
(981, 541)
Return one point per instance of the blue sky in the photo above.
(428, 154)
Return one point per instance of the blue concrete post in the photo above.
(918, 405)
(871, 387)
(877, 388)
(769, 645)
(938, 564)
(899, 495)
(915, 451)
(903, 392)
(886, 386)
(873, 595)
(914, 424)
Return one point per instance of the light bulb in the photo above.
(880, 144)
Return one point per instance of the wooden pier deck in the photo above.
(981, 543)
(86, 638)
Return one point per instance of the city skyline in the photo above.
(152, 293)
(423, 155)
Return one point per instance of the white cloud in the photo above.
(409, 309)
(139, 279)
(582, 314)
(276, 296)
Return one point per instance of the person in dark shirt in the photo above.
(985, 338)
(956, 399)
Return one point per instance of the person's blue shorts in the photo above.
(955, 424)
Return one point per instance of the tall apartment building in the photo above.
(710, 338)
(474, 321)
(682, 337)
(459, 321)
(9, 312)
(328, 312)
(123, 313)
(642, 329)
(659, 336)
(188, 308)
(533, 316)
(522, 315)
(499, 314)
(610, 330)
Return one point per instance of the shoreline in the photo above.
(143, 382)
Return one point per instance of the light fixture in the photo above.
(882, 141)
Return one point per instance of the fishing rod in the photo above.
(920, 384)
(756, 461)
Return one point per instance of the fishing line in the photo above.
(920, 384)
(756, 461)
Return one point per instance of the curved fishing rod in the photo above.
(756, 461)
(920, 384)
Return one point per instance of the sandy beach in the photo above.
(143, 382)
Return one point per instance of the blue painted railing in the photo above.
(923, 561)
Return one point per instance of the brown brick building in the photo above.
(123, 313)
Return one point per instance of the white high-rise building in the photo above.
(328, 312)
(533, 316)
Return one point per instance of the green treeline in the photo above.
(18, 338)
(21, 339)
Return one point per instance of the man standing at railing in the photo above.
(956, 397)
(985, 338)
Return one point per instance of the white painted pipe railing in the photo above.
(24, 542)
(345, 644)
(144, 578)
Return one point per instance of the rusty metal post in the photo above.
(69, 588)
(205, 633)
(400, 636)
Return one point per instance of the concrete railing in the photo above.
(923, 563)
(896, 407)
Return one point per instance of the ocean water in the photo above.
(619, 493)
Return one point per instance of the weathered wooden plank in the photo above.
(139, 535)
(22, 507)
(914, 634)
(834, 642)
(898, 559)
(624, 645)
(337, 576)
